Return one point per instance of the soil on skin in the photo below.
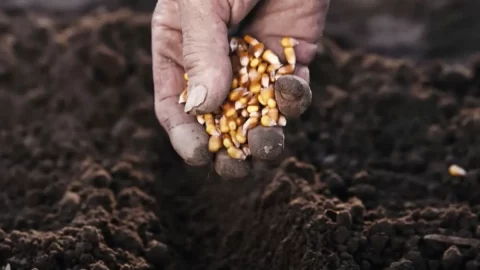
(89, 180)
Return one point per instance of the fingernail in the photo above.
(196, 96)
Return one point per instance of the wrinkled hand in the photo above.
(192, 36)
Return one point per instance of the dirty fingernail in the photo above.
(196, 96)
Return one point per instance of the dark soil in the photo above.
(89, 180)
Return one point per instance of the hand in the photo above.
(192, 36)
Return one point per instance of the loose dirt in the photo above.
(89, 180)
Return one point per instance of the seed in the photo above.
(271, 103)
(236, 93)
(262, 68)
(229, 109)
(250, 40)
(234, 83)
(246, 150)
(227, 141)
(254, 62)
(240, 121)
(224, 125)
(253, 100)
(270, 57)
(265, 80)
(456, 170)
(289, 42)
(185, 76)
(233, 44)
(233, 136)
(287, 69)
(183, 96)
(282, 121)
(267, 93)
(250, 123)
(240, 135)
(243, 57)
(265, 110)
(214, 144)
(258, 50)
(239, 105)
(201, 119)
(266, 121)
(243, 80)
(290, 55)
(253, 75)
(273, 114)
(236, 153)
(232, 125)
(255, 87)
(253, 108)
(254, 114)
(273, 67)
(212, 130)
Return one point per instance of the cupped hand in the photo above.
(192, 36)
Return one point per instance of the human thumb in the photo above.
(206, 54)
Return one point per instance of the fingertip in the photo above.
(266, 143)
(231, 169)
(293, 95)
(190, 141)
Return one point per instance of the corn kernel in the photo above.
(214, 144)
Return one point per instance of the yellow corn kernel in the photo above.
(244, 113)
(267, 93)
(270, 57)
(287, 69)
(456, 170)
(266, 121)
(224, 124)
(232, 125)
(273, 114)
(282, 121)
(273, 67)
(250, 40)
(234, 83)
(208, 116)
(262, 68)
(201, 119)
(227, 141)
(261, 101)
(253, 108)
(255, 87)
(240, 135)
(233, 136)
(236, 93)
(265, 110)
(289, 42)
(258, 49)
(243, 57)
(254, 62)
(243, 80)
(265, 80)
(185, 76)
(250, 123)
(239, 105)
(214, 144)
(183, 96)
(271, 103)
(236, 153)
(272, 76)
(242, 71)
(253, 75)
(254, 114)
(290, 55)
(229, 109)
(212, 130)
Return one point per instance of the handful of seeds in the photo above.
(251, 100)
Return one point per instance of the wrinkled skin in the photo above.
(192, 36)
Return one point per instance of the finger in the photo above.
(229, 168)
(266, 143)
(293, 95)
(188, 138)
(206, 54)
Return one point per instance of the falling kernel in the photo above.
(456, 170)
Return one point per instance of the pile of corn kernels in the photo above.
(251, 100)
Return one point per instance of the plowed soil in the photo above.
(88, 179)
